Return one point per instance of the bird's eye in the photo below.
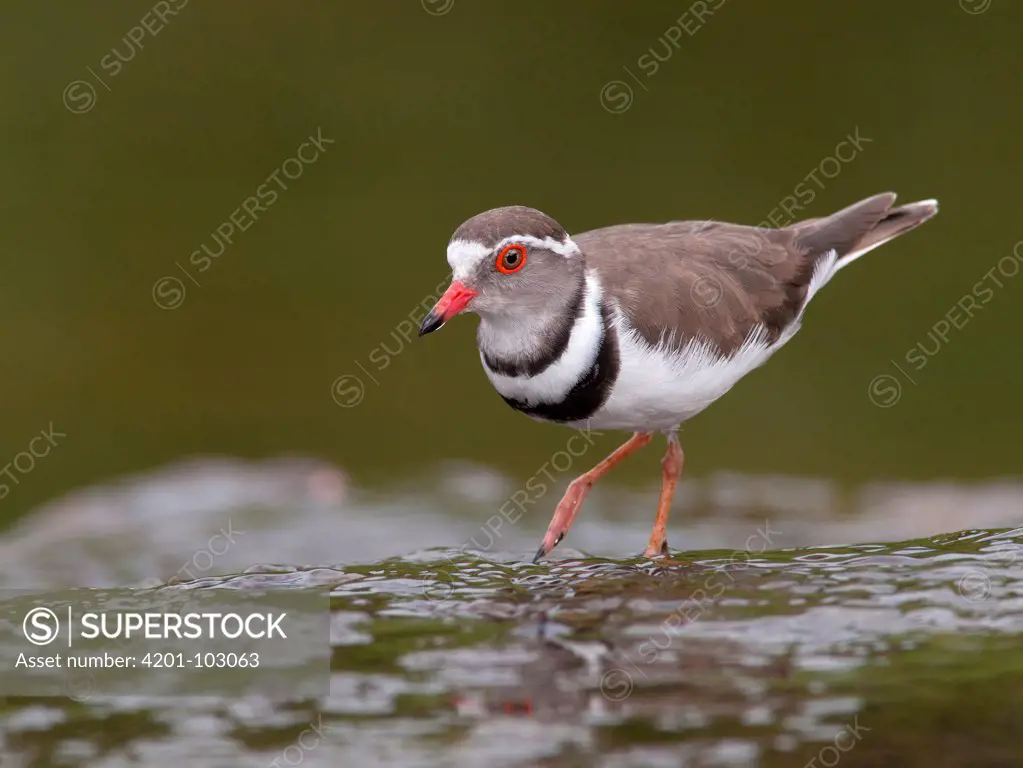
(511, 259)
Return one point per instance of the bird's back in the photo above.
(683, 279)
(719, 281)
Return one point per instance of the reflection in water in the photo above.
(756, 652)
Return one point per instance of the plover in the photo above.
(639, 327)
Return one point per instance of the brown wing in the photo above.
(687, 279)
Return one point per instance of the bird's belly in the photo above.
(658, 389)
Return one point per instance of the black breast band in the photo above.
(592, 390)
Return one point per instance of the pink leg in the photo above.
(672, 469)
(577, 490)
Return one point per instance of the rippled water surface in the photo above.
(775, 648)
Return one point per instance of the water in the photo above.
(782, 641)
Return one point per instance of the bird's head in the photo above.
(507, 264)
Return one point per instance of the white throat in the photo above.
(551, 385)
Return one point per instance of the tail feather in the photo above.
(863, 226)
(896, 222)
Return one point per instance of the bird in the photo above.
(640, 327)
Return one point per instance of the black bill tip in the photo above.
(431, 323)
(539, 554)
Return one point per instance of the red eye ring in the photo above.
(515, 254)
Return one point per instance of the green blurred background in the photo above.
(436, 116)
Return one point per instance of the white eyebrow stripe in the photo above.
(566, 247)
(465, 255)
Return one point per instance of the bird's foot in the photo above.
(652, 550)
(563, 516)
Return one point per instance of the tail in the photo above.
(862, 227)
